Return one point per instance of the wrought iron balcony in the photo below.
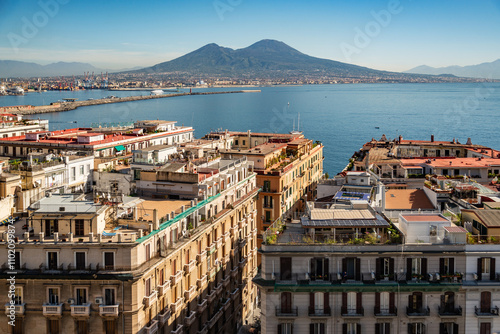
(287, 311)
(489, 312)
(418, 311)
(449, 311)
(352, 312)
(385, 312)
(320, 312)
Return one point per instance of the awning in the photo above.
(120, 148)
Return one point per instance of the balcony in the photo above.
(214, 319)
(241, 223)
(211, 296)
(152, 328)
(17, 308)
(189, 267)
(177, 305)
(178, 330)
(80, 310)
(211, 249)
(202, 282)
(226, 304)
(352, 312)
(164, 316)
(176, 278)
(108, 310)
(242, 263)
(242, 242)
(204, 330)
(320, 312)
(218, 243)
(218, 289)
(226, 259)
(234, 272)
(449, 311)
(234, 230)
(203, 306)
(190, 319)
(287, 311)
(52, 309)
(189, 294)
(226, 236)
(201, 257)
(235, 294)
(162, 289)
(385, 312)
(149, 300)
(418, 312)
(490, 312)
(226, 281)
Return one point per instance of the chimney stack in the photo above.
(432, 138)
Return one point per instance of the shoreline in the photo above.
(66, 106)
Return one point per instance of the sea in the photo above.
(341, 116)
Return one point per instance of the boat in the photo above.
(16, 91)
(157, 92)
(377, 127)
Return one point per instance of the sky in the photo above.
(394, 35)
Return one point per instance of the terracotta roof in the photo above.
(455, 229)
(407, 199)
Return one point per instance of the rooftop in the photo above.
(407, 199)
(66, 203)
(415, 218)
(489, 217)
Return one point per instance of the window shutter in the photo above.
(326, 302)
(292, 329)
(311, 303)
(424, 268)
(326, 269)
(408, 269)
(359, 303)
(410, 302)
(452, 265)
(441, 327)
(344, 302)
(455, 328)
(377, 302)
(391, 267)
(410, 328)
(344, 328)
(492, 269)
(313, 269)
(344, 267)
(441, 266)
(387, 329)
(358, 269)
(311, 328)
(358, 328)
(377, 329)
(392, 304)
(378, 267)
(443, 305)
(322, 328)
(479, 269)
(279, 329)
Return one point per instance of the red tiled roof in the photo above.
(425, 218)
(455, 229)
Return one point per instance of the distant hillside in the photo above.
(14, 68)
(484, 70)
(264, 59)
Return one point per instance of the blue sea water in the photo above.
(342, 117)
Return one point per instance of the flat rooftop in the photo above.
(425, 218)
(262, 149)
(407, 199)
(69, 202)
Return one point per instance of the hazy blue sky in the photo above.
(120, 34)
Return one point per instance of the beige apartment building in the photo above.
(172, 266)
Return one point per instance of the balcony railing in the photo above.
(188, 267)
(385, 312)
(204, 330)
(201, 257)
(80, 310)
(202, 306)
(162, 289)
(17, 308)
(178, 330)
(52, 309)
(190, 319)
(243, 262)
(418, 312)
(226, 304)
(218, 243)
(149, 300)
(234, 272)
(226, 281)
(226, 236)
(242, 242)
(490, 312)
(449, 311)
(287, 311)
(164, 316)
(211, 296)
(189, 294)
(152, 328)
(320, 312)
(202, 282)
(108, 310)
(235, 294)
(214, 319)
(352, 312)
(211, 249)
(234, 230)
(176, 278)
(177, 305)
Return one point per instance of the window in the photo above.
(53, 326)
(385, 268)
(51, 226)
(82, 326)
(73, 173)
(18, 295)
(385, 303)
(79, 227)
(416, 268)
(416, 328)
(485, 302)
(351, 328)
(267, 186)
(286, 302)
(17, 260)
(415, 304)
(80, 260)
(317, 328)
(268, 216)
(285, 268)
(53, 296)
(319, 269)
(285, 328)
(18, 326)
(52, 262)
(109, 260)
(485, 328)
(351, 268)
(148, 252)
(448, 328)
(110, 326)
(109, 296)
(486, 268)
(447, 266)
(448, 302)
(383, 328)
(82, 170)
(319, 303)
(352, 303)
(147, 287)
(81, 296)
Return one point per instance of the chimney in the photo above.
(469, 142)
(432, 138)
(156, 221)
(400, 139)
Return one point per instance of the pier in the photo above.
(65, 106)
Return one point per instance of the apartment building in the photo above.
(12, 125)
(347, 269)
(173, 266)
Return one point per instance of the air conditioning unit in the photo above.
(99, 300)
(494, 311)
(71, 301)
(475, 276)
(438, 277)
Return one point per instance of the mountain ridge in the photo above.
(486, 70)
